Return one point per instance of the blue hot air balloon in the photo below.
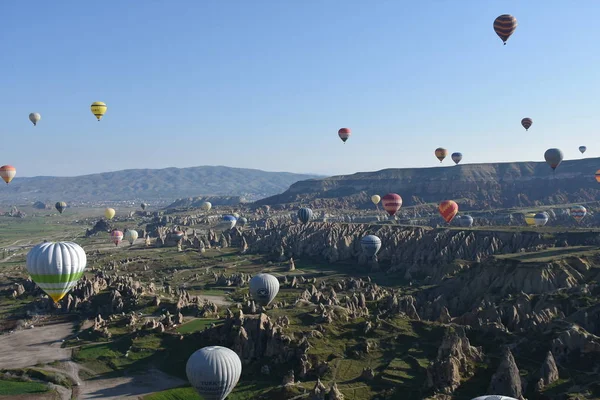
(228, 222)
(465, 221)
(540, 219)
(370, 245)
(456, 157)
(305, 214)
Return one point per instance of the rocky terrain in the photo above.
(474, 186)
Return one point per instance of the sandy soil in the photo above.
(218, 300)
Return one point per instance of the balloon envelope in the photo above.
(242, 221)
(540, 219)
(98, 109)
(465, 221)
(391, 203)
(7, 172)
(370, 245)
(505, 26)
(582, 149)
(109, 213)
(441, 153)
(344, 134)
(35, 118)
(116, 237)
(228, 222)
(456, 157)
(305, 214)
(143, 206)
(214, 371)
(494, 397)
(448, 209)
(578, 212)
(553, 157)
(56, 267)
(206, 206)
(60, 206)
(375, 199)
(131, 235)
(526, 122)
(264, 288)
(529, 218)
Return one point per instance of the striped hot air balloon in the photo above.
(529, 219)
(370, 245)
(598, 176)
(441, 153)
(305, 214)
(504, 26)
(456, 157)
(131, 236)
(98, 109)
(526, 122)
(578, 212)
(344, 134)
(116, 237)
(540, 219)
(7, 172)
(264, 288)
(178, 235)
(448, 210)
(56, 267)
(60, 206)
(391, 203)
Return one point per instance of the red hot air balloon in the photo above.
(344, 134)
(116, 237)
(391, 203)
(448, 210)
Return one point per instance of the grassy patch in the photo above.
(14, 388)
(198, 324)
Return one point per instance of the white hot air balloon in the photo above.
(214, 371)
(56, 267)
(131, 235)
(206, 206)
(35, 118)
(264, 288)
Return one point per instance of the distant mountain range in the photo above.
(478, 186)
(151, 185)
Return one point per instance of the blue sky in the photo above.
(267, 84)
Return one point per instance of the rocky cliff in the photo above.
(483, 185)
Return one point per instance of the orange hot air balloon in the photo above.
(391, 203)
(7, 172)
(344, 134)
(441, 153)
(448, 210)
(598, 176)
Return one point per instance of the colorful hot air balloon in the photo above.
(391, 203)
(241, 221)
(305, 214)
(494, 397)
(264, 288)
(526, 122)
(529, 219)
(56, 267)
(143, 206)
(448, 209)
(578, 212)
(344, 134)
(116, 237)
(214, 371)
(540, 219)
(131, 236)
(582, 149)
(441, 153)
(206, 206)
(465, 221)
(35, 118)
(598, 176)
(553, 158)
(228, 222)
(456, 157)
(178, 235)
(7, 172)
(60, 206)
(370, 245)
(504, 26)
(375, 199)
(109, 213)
(98, 109)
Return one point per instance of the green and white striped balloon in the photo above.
(56, 267)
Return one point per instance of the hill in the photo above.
(506, 185)
(153, 185)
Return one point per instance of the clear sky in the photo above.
(267, 84)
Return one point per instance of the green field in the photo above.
(14, 388)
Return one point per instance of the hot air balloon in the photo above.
(494, 397)
(529, 219)
(214, 371)
(7, 172)
(465, 221)
(540, 219)
(178, 235)
(98, 109)
(582, 149)
(391, 203)
(116, 237)
(456, 157)
(56, 267)
(504, 26)
(35, 118)
(143, 206)
(441, 153)
(375, 199)
(553, 158)
(228, 222)
(60, 206)
(131, 235)
(526, 122)
(448, 209)
(241, 221)
(370, 245)
(344, 134)
(109, 213)
(578, 212)
(236, 215)
(264, 288)
(206, 206)
(305, 214)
